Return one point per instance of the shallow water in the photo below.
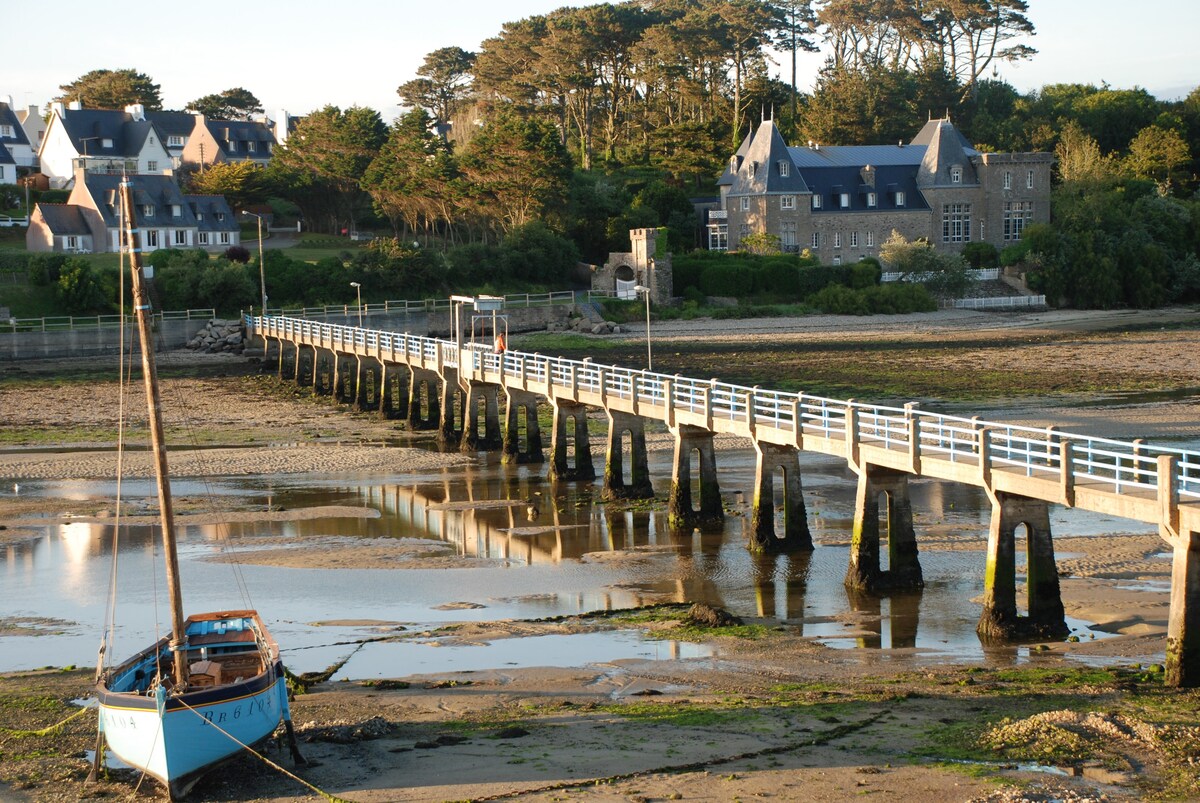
(596, 558)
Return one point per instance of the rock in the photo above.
(599, 329)
(708, 616)
(616, 330)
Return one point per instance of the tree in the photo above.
(232, 104)
(795, 35)
(1078, 156)
(112, 89)
(944, 275)
(322, 164)
(411, 179)
(242, 183)
(443, 81)
(514, 171)
(1157, 153)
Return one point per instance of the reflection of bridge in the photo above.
(455, 388)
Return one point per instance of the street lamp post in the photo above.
(646, 292)
(262, 276)
(358, 289)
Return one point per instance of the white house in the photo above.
(101, 141)
(13, 136)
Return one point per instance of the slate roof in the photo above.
(63, 219)
(731, 168)
(173, 124)
(760, 171)
(161, 192)
(6, 157)
(9, 117)
(241, 131)
(212, 213)
(95, 126)
(944, 151)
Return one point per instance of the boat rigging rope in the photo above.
(267, 761)
(49, 729)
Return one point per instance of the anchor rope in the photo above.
(49, 729)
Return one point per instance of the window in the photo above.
(956, 223)
(854, 239)
(176, 210)
(816, 241)
(837, 259)
(844, 200)
(732, 164)
(956, 175)
(231, 146)
(745, 204)
(72, 243)
(1029, 180)
(148, 210)
(870, 200)
(1, 171)
(6, 131)
(816, 201)
(180, 237)
(224, 238)
(152, 238)
(199, 216)
(1008, 179)
(870, 239)
(718, 237)
(899, 198)
(203, 238)
(150, 140)
(174, 141)
(106, 142)
(785, 169)
(152, 166)
(787, 201)
(1017, 215)
(837, 239)
(787, 236)
(219, 215)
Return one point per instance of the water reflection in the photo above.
(549, 549)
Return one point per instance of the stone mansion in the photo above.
(843, 202)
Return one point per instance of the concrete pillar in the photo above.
(680, 513)
(904, 568)
(515, 402)
(1000, 619)
(393, 391)
(570, 414)
(323, 371)
(296, 373)
(1183, 625)
(487, 396)
(639, 486)
(363, 371)
(796, 535)
(282, 350)
(424, 407)
(451, 416)
(339, 378)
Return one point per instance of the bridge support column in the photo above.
(424, 406)
(680, 513)
(324, 371)
(486, 395)
(568, 414)
(339, 378)
(1000, 619)
(515, 402)
(363, 370)
(796, 535)
(282, 350)
(296, 372)
(393, 392)
(452, 407)
(1183, 624)
(639, 486)
(904, 568)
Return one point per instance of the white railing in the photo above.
(404, 307)
(1114, 466)
(67, 322)
(979, 274)
(999, 302)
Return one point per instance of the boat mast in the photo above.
(141, 306)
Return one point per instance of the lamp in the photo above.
(358, 289)
(640, 288)
(262, 276)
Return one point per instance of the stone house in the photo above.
(647, 265)
(843, 202)
(166, 217)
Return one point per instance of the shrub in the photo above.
(980, 255)
(44, 269)
(77, 290)
(236, 253)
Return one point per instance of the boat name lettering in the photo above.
(260, 705)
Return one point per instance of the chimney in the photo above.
(57, 108)
(137, 111)
(75, 105)
(281, 126)
(7, 99)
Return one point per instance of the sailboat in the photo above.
(216, 686)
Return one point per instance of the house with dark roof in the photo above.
(8, 166)
(175, 129)
(59, 228)
(165, 216)
(13, 136)
(843, 202)
(101, 141)
(34, 124)
(220, 141)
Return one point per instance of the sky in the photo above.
(299, 55)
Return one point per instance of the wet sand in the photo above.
(777, 715)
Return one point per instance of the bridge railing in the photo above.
(407, 307)
(58, 323)
(1119, 467)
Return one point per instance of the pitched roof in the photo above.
(212, 213)
(63, 218)
(6, 157)
(105, 132)
(944, 152)
(157, 193)
(173, 124)
(763, 168)
(736, 162)
(224, 131)
(9, 117)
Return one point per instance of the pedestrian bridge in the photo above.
(454, 386)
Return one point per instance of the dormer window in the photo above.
(219, 216)
(732, 164)
(106, 142)
(231, 145)
(816, 202)
(956, 175)
(844, 200)
(870, 200)
(174, 141)
(7, 131)
(148, 210)
(176, 210)
(199, 216)
(899, 198)
(250, 147)
(785, 169)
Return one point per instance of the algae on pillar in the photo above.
(680, 512)
(486, 395)
(1183, 624)
(796, 535)
(639, 485)
(1000, 619)
(904, 567)
(515, 402)
(570, 414)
